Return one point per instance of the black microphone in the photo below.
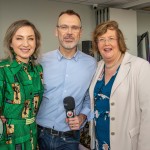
(69, 105)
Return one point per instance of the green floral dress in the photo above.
(21, 91)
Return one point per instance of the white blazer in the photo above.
(129, 105)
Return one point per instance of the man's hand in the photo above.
(76, 122)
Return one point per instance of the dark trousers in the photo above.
(47, 141)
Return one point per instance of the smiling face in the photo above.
(24, 43)
(68, 32)
(108, 46)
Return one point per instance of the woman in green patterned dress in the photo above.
(21, 87)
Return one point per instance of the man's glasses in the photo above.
(103, 40)
(65, 28)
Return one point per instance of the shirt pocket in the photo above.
(13, 93)
(13, 104)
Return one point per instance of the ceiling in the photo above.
(139, 5)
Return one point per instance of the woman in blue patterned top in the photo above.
(120, 97)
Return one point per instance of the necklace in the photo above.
(115, 63)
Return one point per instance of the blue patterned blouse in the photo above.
(101, 110)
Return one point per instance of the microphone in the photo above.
(69, 105)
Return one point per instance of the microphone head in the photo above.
(69, 103)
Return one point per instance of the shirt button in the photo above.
(113, 118)
(112, 103)
(112, 133)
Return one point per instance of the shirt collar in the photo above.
(17, 66)
(75, 56)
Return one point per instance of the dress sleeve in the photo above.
(1, 88)
(39, 68)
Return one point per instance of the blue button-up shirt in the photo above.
(65, 77)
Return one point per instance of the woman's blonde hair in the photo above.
(11, 32)
(102, 29)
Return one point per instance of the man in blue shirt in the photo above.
(67, 72)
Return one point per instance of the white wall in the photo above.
(43, 14)
(127, 20)
(143, 22)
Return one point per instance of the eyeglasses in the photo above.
(65, 28)
(110, 40)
